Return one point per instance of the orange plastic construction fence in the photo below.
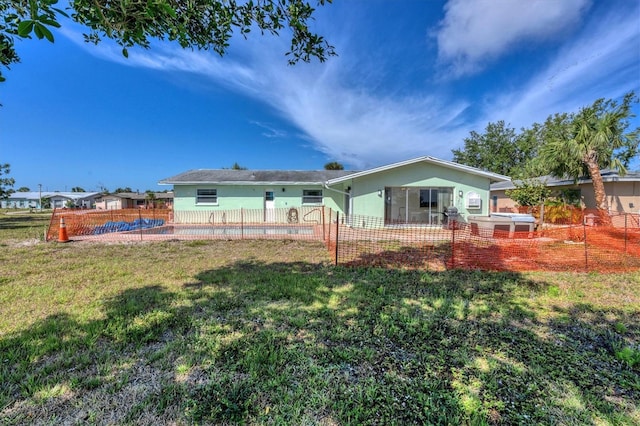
(92, 222)
(362, 240)
(575, 247)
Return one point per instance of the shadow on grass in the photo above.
(429, 256)
(299, 343)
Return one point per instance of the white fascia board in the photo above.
(242, 183)
(426, 159)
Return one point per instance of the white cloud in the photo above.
(475, 32)
(598, 64)
(348, 122)
(342, 112)
(270, 131)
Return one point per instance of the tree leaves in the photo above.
(197, 24)
(25, 28)
(597, 133)
(499, 149)
(5, 182)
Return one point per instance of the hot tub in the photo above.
(503, 225)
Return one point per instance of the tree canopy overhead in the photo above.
(197, 24)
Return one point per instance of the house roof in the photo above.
(35, 195)
(607, 176)
(141, 195)
(330, 177)
(426, 159)
(254, 177)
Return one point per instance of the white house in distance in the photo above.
(31, 200)
(135, 200)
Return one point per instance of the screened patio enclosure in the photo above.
(424, 206)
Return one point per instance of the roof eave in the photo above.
(448, 164)
(238, 183)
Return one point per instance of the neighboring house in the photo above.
(415, 191)
(56, 199)
(134, 200)
(623, 192)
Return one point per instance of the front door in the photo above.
(269, 206)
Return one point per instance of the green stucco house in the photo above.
(415, 191)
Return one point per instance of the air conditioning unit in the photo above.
(474, 201)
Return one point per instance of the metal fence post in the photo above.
(241, 223)
(586, 255)
(625, 232)
(328, 242)
(140, 223)
(337, 227)
(453, 246)
(323, 225)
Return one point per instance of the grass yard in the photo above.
(269, 332)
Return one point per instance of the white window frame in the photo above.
(210, 198)
(312, 199)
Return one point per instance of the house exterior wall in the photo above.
(19, 203)
(366, 201)
(501, 203)
(367, 193)
(247, 197)
(623, 197)
(58, 202)
(109, 203)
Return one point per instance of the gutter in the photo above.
(326, 185)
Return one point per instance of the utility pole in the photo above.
(40, 203)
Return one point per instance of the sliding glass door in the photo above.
(405, 205)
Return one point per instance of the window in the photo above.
(429, 198)
(312, 196)
(207, 196)
(417, 205)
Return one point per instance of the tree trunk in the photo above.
(602, 204)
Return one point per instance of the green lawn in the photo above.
(269, 332)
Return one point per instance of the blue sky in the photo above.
(412, 78)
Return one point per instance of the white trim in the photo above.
(239, 182)
(608, 176)
(426, 159)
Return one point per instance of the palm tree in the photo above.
(589, 141)
(334, 165)
(150, 199)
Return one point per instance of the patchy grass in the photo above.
(22, 226)
(269, 332)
